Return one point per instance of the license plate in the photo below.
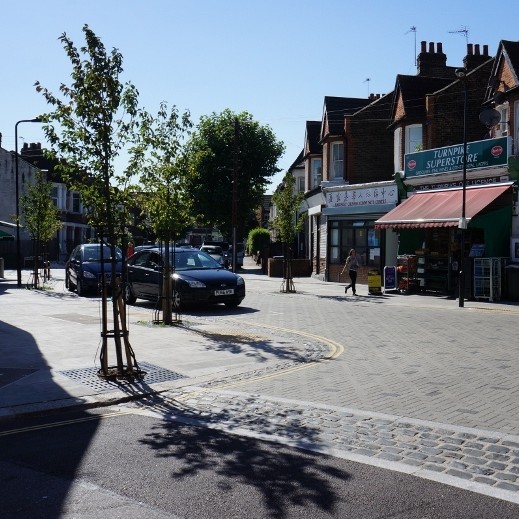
(228, 292)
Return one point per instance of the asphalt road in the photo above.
(123, 463)
(412, 384)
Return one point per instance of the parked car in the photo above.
(197, 278)
(216, 252)
(84, 269)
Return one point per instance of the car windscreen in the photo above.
(192, 259)
(94, 254)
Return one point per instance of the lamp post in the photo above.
(461, 74)
(18, 249)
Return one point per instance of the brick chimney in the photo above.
(431, 62)
(474, 58)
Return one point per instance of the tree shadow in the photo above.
(282, 476)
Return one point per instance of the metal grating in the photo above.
(89, 377)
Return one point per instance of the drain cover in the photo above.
(89, 377)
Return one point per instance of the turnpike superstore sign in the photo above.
(480, 154)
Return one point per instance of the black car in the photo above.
(87, 265)
(196, 278)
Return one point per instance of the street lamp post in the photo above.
(461, 74)
(18, 249)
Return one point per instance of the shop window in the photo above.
(361, 236)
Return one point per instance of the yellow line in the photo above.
(63, 423)
(335, 350)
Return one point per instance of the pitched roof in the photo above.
(298, 163)
(313, 131)
(507, 54)
(335, 108)
(412, 91)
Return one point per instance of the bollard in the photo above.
(1, 267)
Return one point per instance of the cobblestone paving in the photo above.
(478, 460)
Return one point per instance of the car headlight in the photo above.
(240, 281)
(88, 275)
(195, 284)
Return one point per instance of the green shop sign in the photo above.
(480, 154)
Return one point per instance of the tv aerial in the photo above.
(413, 29)
(464, 30)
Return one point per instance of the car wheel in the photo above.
(176, 300)
(80, 289)
(232, 304)
(129, 297)
(68, 284)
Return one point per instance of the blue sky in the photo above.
(276, 59)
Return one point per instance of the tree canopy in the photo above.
(41, 216)
(287, 203)
(224, 146)
(160, 159)
(91, 123)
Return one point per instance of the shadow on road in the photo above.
(282, 477)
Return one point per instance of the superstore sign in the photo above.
(480, 154)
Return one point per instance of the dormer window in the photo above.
(317, 172)
(337, 160)
(413, 138)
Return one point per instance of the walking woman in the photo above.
(351, 265)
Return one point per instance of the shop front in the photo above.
(351, 212)
(427, 226)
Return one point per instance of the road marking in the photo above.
(64, 422)
(335, 350)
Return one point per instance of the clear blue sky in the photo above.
(276, 59)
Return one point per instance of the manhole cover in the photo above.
(89, 377)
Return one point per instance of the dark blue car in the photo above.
(196, 278)
(87, 265)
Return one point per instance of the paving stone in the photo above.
(435, 467)
(459, 474)
(500, 449)
(497, 466)
(507, 486)
(505, 475)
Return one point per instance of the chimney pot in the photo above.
(476, 49)
(485, 50)
(439, 47)
(431, 47)
(424, 46)
(469, 49)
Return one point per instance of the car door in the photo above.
(152, 279)
(138, 273)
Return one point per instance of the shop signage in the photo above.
(480, 154)
(459, 183)
(362, 197)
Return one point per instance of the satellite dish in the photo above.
(490, 117)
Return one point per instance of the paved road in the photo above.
(408, 382)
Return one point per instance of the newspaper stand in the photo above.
(406, 271)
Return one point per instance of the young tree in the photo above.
(287, 224)
(231, 159)
(159, 157)
(89, 126)
(40, 216)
